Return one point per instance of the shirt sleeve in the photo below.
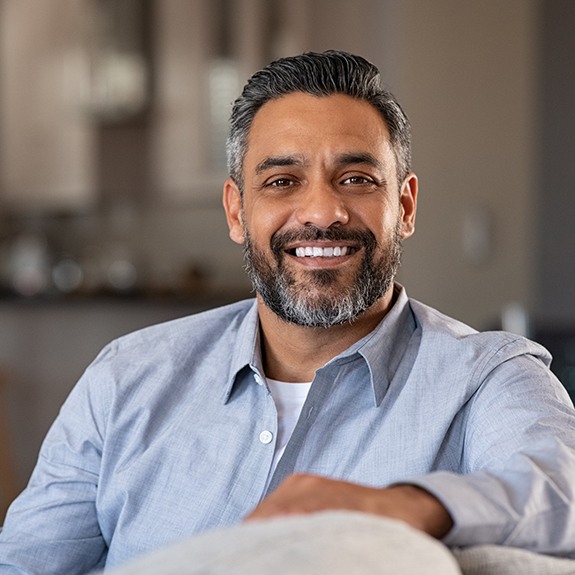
(52, 528)
(518, 458)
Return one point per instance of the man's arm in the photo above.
(515, 481)
(302, 494)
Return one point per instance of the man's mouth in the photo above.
(316, 243)
(321, 252)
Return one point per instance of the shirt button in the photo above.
(258, 379)
(266, 437)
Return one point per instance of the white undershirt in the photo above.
(289, 399)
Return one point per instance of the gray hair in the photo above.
(319, 74)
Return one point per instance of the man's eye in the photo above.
(281, 183)
(357, 180)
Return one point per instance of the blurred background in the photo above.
(113, 117)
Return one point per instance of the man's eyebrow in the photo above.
(279, 161)
(343, 159)
(350, 158)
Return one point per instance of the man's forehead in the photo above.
(286, 126)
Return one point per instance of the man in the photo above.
(330, 391)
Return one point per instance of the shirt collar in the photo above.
(382, 349)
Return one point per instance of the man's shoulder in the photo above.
(430, 318)
(442, 332)
(215, 324)
(193, 348)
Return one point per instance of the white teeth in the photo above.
(317, 252)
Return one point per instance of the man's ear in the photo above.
(408, 200)
(232, 201)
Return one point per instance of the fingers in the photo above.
(302, 494)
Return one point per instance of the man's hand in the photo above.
(301, 494)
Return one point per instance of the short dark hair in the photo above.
(319, 74)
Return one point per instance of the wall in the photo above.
(556, 198)
(466, 73)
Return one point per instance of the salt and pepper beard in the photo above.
(292, 299)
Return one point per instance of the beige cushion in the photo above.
(330, 543)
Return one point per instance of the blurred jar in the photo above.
(28, 263)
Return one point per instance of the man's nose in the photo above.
(322, 205)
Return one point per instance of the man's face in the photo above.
(322, 214)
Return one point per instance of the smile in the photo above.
(319, 252)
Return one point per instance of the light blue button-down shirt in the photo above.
(171, 431)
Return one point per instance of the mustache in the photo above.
(280, 240)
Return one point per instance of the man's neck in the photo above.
(294, 353)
